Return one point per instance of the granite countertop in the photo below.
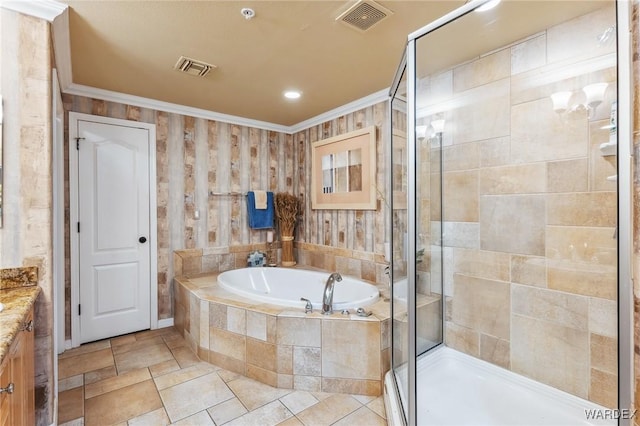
(17, 304)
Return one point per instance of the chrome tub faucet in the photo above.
(327, 298)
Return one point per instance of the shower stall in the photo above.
(511, 225)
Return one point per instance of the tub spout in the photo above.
(327, 298)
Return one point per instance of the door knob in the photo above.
(142, 240)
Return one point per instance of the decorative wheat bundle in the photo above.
(287, 209)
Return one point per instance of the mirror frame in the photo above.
(365, 199)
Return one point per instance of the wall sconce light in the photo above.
(438, 128)
(438, 125)
(560, 101)
(594, 96)
(421, 132)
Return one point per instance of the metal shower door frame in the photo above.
(625, 200)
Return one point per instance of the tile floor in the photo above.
(153, 378)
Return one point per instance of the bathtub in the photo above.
(284, 346)
(285, 287)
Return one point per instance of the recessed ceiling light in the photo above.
(292, 94)
(488, 6)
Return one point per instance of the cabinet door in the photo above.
(19, 395)
(28, 371)
(5, 398)
(17, 408)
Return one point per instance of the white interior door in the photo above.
(113, 229)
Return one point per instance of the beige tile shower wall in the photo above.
(529, 216)
(26, 235)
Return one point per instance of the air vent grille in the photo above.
(364, 14)
(193, 67)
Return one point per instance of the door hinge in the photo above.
(78, 226)
(78, 143)
(78, 309)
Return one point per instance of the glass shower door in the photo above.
(510, 200)
(400, 286)
(417, 287)
(524, 120)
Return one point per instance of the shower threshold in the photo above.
(457, 389)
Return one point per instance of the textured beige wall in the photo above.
(196, 155)
(25, 238)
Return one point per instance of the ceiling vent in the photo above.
(364, 14)
(193, 67)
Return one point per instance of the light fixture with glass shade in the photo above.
(560, 101)
(438, 125)
(438, 128)
(594, 94)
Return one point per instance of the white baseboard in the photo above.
(68, 345)
(167, 322)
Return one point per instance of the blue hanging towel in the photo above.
(260, 219)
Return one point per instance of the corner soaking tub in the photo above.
(234, 327)
(285, 287)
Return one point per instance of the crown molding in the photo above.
(58, 14)
(43, 9)
(372, 99)
(108, 95)
(61, 39)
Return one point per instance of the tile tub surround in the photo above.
(358, 264)
(281, 346)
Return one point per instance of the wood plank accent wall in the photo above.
(349, 229)
(195, 156)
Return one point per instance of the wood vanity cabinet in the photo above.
(17, 379)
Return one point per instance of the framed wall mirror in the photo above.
(343, 171)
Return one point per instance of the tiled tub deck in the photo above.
(283, 346)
